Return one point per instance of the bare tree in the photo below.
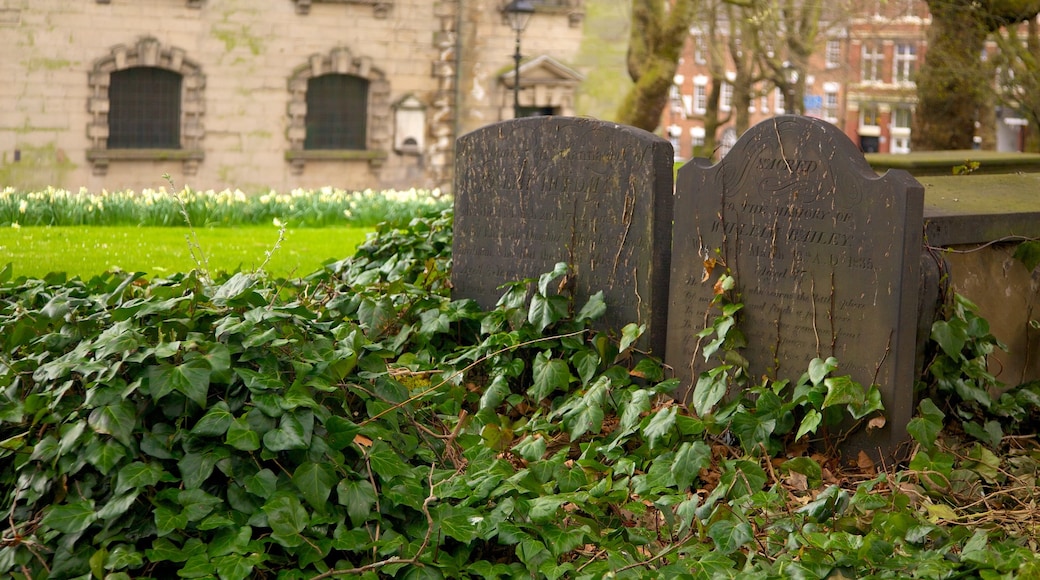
(659, 31)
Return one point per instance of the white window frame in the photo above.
(726, 97)
(833, 54)
(779, 105)
(904, 62)
(872, 59)
(700, 95)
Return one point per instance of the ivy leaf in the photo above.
(241, 435)
(457, 522)
(190, 379)
(711, 387)
(236, 566)
(117, 420)
(385, 462)
(819, 368)
(287, 519)
(168, 520)
(660, 425)
(633, 411)
(215, 422)
(951, 336)
(730, 534)
(293, 432)
(315, 481)
(925, 427)
(70, 518)
(1029, 254)
(545, 279)
(689, 460)
(809, 424)
(842, 391)
(546, 310)
(629, 334)
(752, 429)
(593, 309)
(376, 315)
(586, 362)
(549, 375)
(359, 497)
(137, 475)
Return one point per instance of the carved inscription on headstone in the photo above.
(825, 255)
(533, 192)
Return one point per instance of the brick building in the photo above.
(260, 94)
(860, 77)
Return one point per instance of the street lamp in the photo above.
(518, 12)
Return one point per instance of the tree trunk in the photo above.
(655, 43)
(951, 84)
(954, 86)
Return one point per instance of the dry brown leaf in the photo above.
(864, 462)
(362, 440)
(798, 481)
(718, 287)
(876, 423)
(709, 267)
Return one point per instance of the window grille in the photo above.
(144, 109)
(337, 106)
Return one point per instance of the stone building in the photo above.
(259, 94)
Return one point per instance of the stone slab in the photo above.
(826, 256)
(536, 191)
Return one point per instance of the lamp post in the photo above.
(518, 12)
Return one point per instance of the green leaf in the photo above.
(842, 391)
(809, 424)
(951, 336)
(117, 420)
(104, 454)
(385, 462)
(196, 503)
(287, 519)
(359, 497)
(549, 375)
(660, 425)
(586, 362)
(633, 411)
(315, 481)
(241, 435)
(190, 379)
(457, 522)
(70, 518)
(711, 387)
(925, 427)
(376, 315)
(630, 333)
(730, 534)
(546, 310)
(138, 475)
(117, 506)
(593, 309)
(819, 368)
(236, 566)
(293, 432)
(689, 460)
(752, 429)
(560, 269)
(215, 422)
(1028, 253)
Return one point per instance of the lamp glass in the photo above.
(519, 12)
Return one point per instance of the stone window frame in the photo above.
(339, 60)
(147, 51)
(380, 8)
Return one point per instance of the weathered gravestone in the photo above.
(826, 256)
(533, 192)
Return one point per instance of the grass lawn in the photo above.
(86, 251)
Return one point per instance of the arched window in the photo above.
(144, 109)
(339, 110)
(337, 106)
(146, 104)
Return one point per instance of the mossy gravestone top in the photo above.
(825, 256)
(533, 192)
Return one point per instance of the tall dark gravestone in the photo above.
(533, 192)
(825, 255)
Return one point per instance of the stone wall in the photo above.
(247, 51)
